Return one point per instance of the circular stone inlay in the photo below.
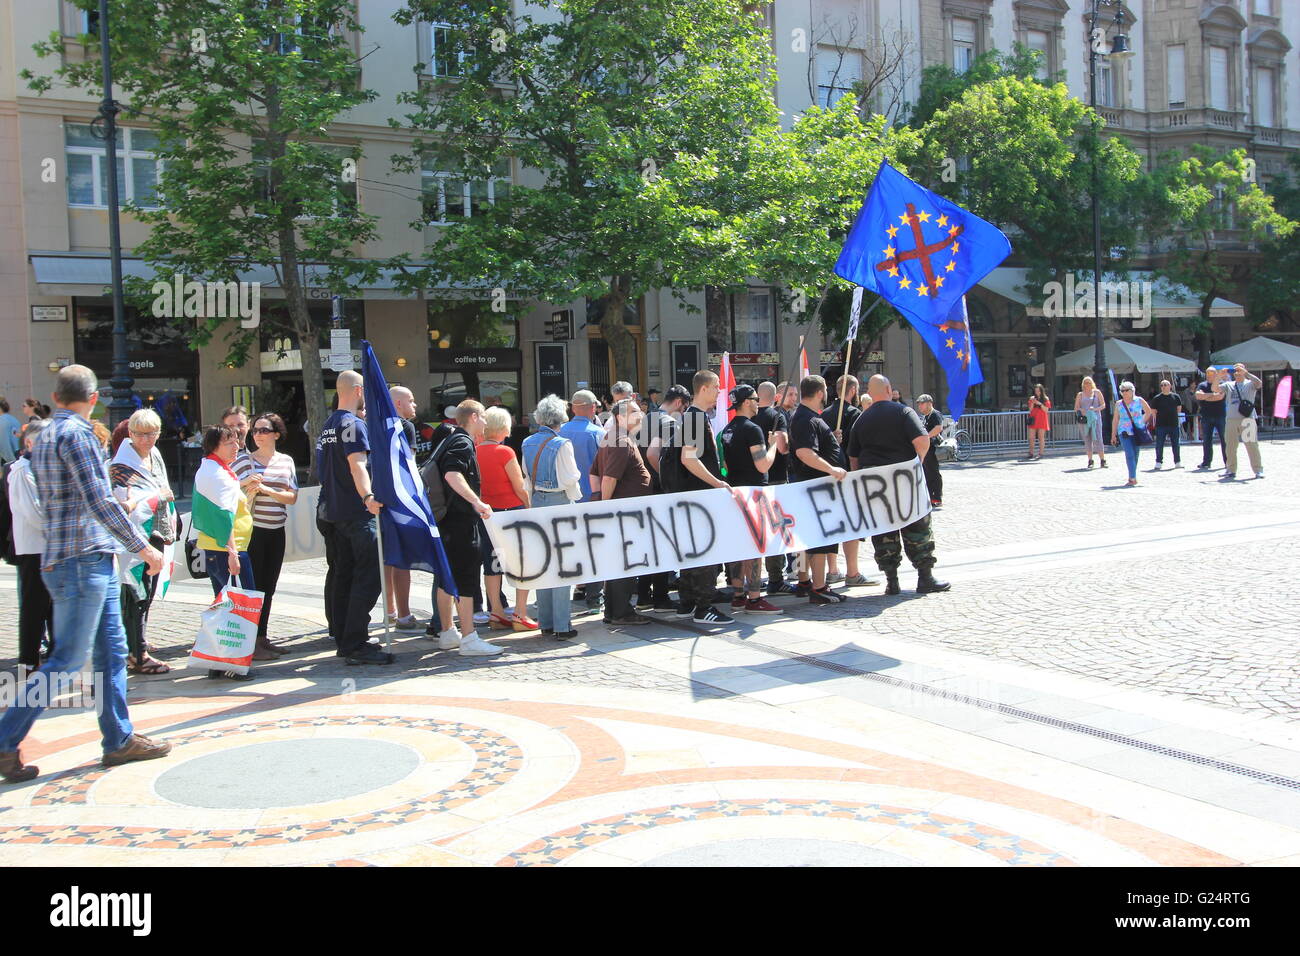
(286, 773)
(782, 851)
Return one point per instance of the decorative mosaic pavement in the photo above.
(551, 776)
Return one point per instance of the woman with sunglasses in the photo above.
(1131, 414)
(272, 485)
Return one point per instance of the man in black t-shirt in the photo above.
(457, 464)
(700, 469)
(749, 459)
(933, 423)
(841, 424)
(1213, 412)
(771, 419)
(1167, 405)
(889, 433)
(814, 454)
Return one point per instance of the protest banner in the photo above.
(602, 540)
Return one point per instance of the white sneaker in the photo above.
(482, 617)
(471, 645)
(449, 639)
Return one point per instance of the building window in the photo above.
(838, 71)
(752, 321)
(137, 168)
(1040, 41)
(344, 199)
(1219, 78)
(449, 56)
(1264, 109)
(449, 197)
(1105, 82)
(1176, 75)
(963, 44)
(1263, 8)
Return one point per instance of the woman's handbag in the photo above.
(1080, 417)
(1140, 434)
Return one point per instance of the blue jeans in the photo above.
(219, 571)
(1164, 432)
(1131, 449)
(86, 593)
(553, 604)
(1208, 427)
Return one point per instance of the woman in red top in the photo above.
(502, 487)
(1039, 406)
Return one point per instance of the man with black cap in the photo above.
(890, 433)
(748, 459)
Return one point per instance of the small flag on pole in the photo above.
(803, 366)
(722, 411)
(856, 315)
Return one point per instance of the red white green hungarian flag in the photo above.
(140, 492)
(216, 499)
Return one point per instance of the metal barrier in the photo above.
(992, 432)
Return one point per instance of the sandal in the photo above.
(522, 622)
(149, 666)
(500, 622)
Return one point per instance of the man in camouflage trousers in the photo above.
(890, 433)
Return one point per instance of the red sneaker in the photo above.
(738, 603)
(760, 606)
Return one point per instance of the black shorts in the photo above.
(459, 533)
(487, 553)
(825, 549)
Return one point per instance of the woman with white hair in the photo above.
(139, 480)
(1131, 423)
(1088, 406)
(502, 487)
(552, 476)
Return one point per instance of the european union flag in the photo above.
(952, 346)
(406, 524)
(917, 250)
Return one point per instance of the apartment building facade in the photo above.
(53, 247)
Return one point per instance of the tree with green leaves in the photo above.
(1210, 206)
(652, 151)
(1029, 150)
(941, 85)
(242, 95)
(1275, 285)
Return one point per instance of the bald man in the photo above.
(398, 607)
(350, 507)
(889, 433)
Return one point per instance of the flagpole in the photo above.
(844, 383)
(383, 584)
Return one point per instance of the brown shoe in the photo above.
(137, 747)
(13, 770)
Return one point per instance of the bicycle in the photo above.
(955, 444)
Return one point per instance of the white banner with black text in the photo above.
(626, 537)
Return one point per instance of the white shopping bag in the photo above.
(228, 630)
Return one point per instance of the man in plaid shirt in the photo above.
(84, 527)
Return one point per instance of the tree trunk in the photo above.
(1049, 359)
(622, 345)
(313, 380)
(1203, 334)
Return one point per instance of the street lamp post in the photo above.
(120, 405)
(1120, 49)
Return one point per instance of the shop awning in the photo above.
(1168, 300)
(77, 274)
(1123, 358)
(1260, 353)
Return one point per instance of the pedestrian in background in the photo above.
(1090, 403)
(1167, 405)
(933, 423)
(552, 478)
(502, 483)
(1132, 415)
(585, 436)
(138, 476)
(10, 446)
(35, 607)
(1039, 423)
(84, 527)
(1242, 407)
(1213, 412)
(274, 489)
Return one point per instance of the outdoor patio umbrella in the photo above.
(1260, 354)
(1122, 358)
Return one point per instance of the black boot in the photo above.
(891, 583)
(927, 583)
